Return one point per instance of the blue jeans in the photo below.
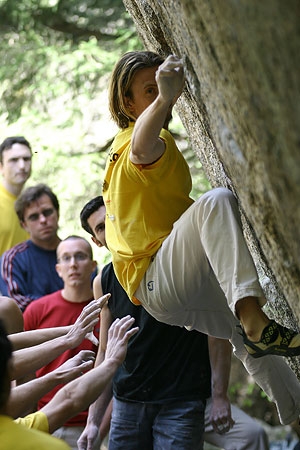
(169, 426)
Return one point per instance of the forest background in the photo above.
(56, 58)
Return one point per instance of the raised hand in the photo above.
(74, 367)
(119, 334)
(170, 79)
(85, 323)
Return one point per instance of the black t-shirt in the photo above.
(163, 362)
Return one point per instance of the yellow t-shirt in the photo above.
(16, 436)
(37, 420)
(142, 203)
(11, 232)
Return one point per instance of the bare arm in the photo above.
(146, 146)
(79, 394)
(220, 360)
(11, 315)
(24, 397)
(28, 360)
(26, 339)
(97, 410)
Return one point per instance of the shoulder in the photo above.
(6, 195)
(16, 250)
(46, 299)
(108, 278)
(107, 269)
(121, 140)
(98, 277)
(38, 305)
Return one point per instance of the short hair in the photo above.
(91, 207)
(121, 79)
(31, 194)
(10, 141)
(5, 355)
(76, 237)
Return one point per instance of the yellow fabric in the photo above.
(136, 229)
(16, 436)
(37, 420)
(11, 232)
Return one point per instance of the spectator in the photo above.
(28, 269)
(161, 388)
(44, 346)
(75, 266)
(54, 342)
(68, 401)
(14, 435)
(24, 398)
(15, 167)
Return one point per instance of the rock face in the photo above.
(241, 109)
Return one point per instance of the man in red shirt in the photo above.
(75, 266)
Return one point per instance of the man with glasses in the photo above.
(28, 269)
(15, 168)
(75, 266)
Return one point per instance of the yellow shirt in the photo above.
(11, 232)
(142, 203)
(37, 420)
(16, 436)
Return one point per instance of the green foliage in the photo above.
(54, 47)
(56, 60)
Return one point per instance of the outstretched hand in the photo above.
(170, 79)
(74, 367)
(85, 323)
(119, 334)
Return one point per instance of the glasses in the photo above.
(78, 257)
(46, 213)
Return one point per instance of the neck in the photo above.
(77, 294)
(49, 244)
(14, 189)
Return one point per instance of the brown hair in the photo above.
(121, 79)
(31, 194)
(10, 141)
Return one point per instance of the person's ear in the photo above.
(96, 241)
(129, 104)
(23, 225)
(57, 268)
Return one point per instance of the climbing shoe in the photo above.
(275, 340)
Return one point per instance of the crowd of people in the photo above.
(138, 351)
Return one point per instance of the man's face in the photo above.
(16, 164)
(74, 263)
(96, 222)
(41, 220)
(143, 91)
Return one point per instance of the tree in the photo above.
(72, 42)
(53, 73)
(53, 80)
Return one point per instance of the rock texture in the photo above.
(241, 111)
